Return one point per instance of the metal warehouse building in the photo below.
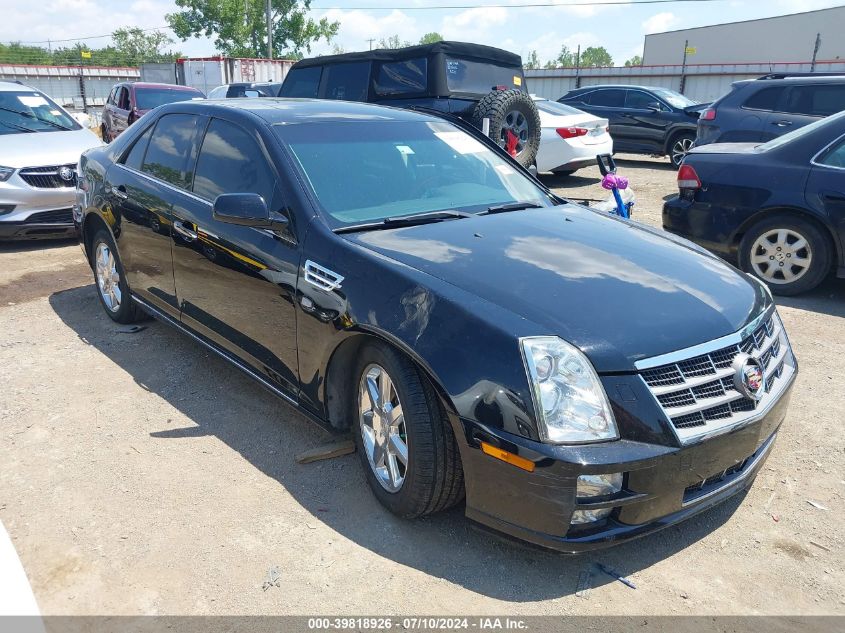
(786, 38)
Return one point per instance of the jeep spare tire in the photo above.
(514, 123)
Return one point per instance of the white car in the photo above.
(40, 146)
(570, 138)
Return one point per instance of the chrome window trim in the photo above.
(815, 159)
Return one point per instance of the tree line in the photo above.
(590, 57)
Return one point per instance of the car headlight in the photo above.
(571, 404)
(6, 173)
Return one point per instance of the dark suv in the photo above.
(643, 120)
(758, 110)
(470, 81)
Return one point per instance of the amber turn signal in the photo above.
(510, 458)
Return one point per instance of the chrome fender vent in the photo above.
(323, 278)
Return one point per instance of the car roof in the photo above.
(805, 79)
(276, 110)
(145, 84)
(624, 86)
(457, 49)
(9, 86)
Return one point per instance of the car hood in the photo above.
(619, 292)
(41, 149)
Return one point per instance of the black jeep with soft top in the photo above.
(470, 81)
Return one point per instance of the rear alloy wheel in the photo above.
(111, 282)
(788, 253)
(404, 440)
(680, 147)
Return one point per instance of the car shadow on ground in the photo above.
(643, 163)
(22, 246)
(557, 181)
(268, 433)
(827, 298)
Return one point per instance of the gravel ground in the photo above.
(141, 475)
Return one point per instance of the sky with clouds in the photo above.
(619, 28)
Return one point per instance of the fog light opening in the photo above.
(592, 489)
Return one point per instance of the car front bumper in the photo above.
(32, 213)
(662, 485)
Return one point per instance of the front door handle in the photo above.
(783, 123)
(120, 192)
(187, 234)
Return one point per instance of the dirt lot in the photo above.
(132, 482)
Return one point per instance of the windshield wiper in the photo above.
(29, 115)
(405, 220)
(15, 126)
(511, 206)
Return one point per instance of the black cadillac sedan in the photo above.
(578, 379)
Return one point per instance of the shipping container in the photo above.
(206, 73)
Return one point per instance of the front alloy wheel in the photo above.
(108, 278)
(404, 439)
(383, 432)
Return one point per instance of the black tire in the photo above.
(818, 250)
(503, 107)
(127, 311)
(433, 478)
(103, 133)
(678, 147)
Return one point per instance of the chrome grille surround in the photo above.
(47, 177)
(695, 387)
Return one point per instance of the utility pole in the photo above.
(371, 40)
(816, 51)
(578, 68)
(684, 68)
(269, 32)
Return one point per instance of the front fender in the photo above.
(468, 347)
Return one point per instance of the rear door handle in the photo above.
(184, 231)
(783, 123)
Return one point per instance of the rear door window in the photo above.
(608, 98)
(171, 149)
(302, 83)
(400, 78)
(347, 82)
(765, 99)
(463, 75)
(230, 161)
(816, 100)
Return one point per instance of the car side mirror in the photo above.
(245, 209)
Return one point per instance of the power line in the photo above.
(89, 37)
(436, 7)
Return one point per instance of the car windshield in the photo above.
(799, 133)
(675, 99)
(28, 111)
(558, 109)
(149, 98)
(368, 171)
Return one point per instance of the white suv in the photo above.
(40, 146)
